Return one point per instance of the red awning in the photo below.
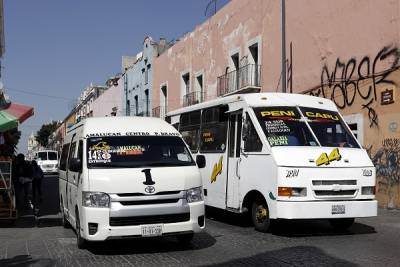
(21, 112)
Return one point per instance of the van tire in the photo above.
(185, 239)
(80, 241)
(260, 215)
(341, 224)
(64, 220)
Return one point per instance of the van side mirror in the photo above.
(201, 161)
(75, 165)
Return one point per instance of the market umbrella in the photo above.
(7, 121)
(13, 114)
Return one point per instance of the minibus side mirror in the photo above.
(201, 161)
(75, 165)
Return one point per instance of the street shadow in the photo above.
(293, 256)
(304, 228)
(289, 228)
(150, 245)
(235, 219)
(26, 260)
(47, 211)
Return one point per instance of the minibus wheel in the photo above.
(341, 224)
(260, 215)
(80, 241)
(185, 239)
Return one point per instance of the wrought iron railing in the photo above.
(159, 112)
(246, 76)
(193, 98)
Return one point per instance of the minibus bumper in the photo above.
(101, 217)
(326, 209)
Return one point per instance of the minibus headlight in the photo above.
(95, 199)
(194, 194)
(292, 191)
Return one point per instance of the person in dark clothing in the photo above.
(37, 175)
(24, 176)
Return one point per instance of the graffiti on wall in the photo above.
(386, 161)
(347, 80)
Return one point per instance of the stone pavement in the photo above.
(228, 241)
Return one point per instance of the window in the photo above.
(329, 128)
(136, 105)
(80, 150)
(137, 152)
(190, 128)
(71, 154)
(284, 126)
(213, 129)
(42, 155)
(64, 156)
(52, 155)
(146, 74)
(252, 142)
(146, 93)
(186, 83)
(199, 88)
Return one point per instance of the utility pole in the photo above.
(283, 47)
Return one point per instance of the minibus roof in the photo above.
(263, 100)
(124, 125)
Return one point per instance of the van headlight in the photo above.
(194, 194)
(95, 200)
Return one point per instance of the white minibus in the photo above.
(47, 160)
(126, 177)
(279, 156)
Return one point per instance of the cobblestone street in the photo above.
(228, 241)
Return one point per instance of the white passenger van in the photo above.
(123, 177)
(47, 161)
(276, 155)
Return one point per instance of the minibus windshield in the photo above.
(284, 126)
(42, 156)
(137, 151)
(329, 128)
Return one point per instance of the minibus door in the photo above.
(234, 140)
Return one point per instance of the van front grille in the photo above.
(321, 193)
(142, 194)
(332, 182)
(149, 202)
(153, 219)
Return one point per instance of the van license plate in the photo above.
(338, 209)
(152, 230)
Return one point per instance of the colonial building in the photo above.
(138, 78)
(347, 51)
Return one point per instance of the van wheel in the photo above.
(260, 215)
(341, 224)
(185, 239)
(80, 241)
(64, 221)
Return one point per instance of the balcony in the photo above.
(244, 80)
(193, 98)
(159, 112)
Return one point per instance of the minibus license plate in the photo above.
(338, 209)
(152, 230)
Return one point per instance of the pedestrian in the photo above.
(37, 175)
(24, 174)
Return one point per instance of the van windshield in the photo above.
(42, 155)
(329, 128)
(137, 151)
(52, 155)
(284, 126)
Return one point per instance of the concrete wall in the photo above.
(109, 102)
(345, 50)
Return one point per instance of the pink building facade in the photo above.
(345, 50)
(110, 102)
